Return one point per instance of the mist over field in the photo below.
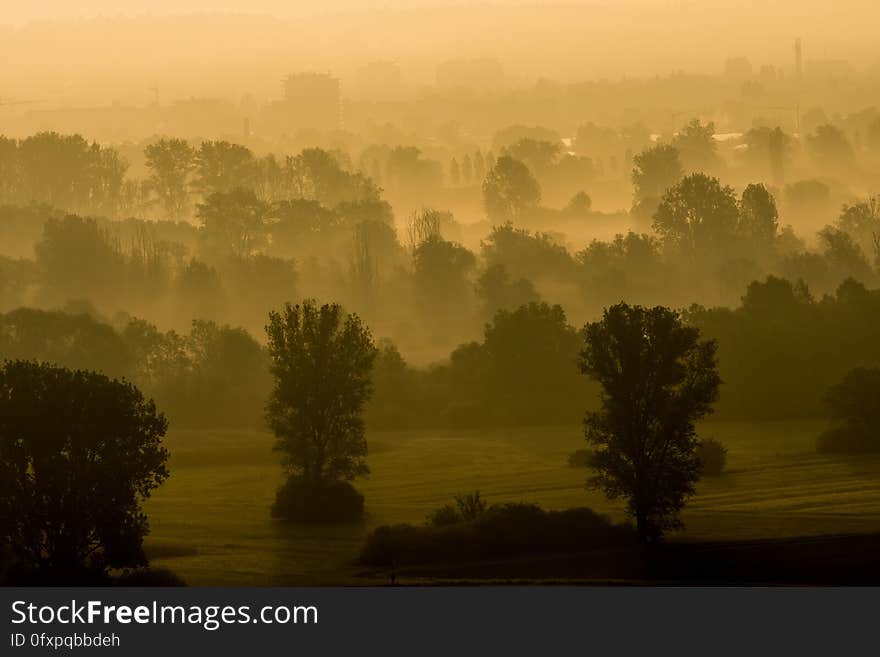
(408, 291)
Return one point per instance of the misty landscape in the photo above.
(440, 292)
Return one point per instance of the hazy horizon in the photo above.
(246, 47)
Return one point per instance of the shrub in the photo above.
(467, 508)
(713, 457)
(445, 515)
(580, 458)
(501, 531)
(305, 501)
(470, 506)
(854, 409)
(848, 439)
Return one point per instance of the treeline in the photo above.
(71, 173)
(779, 352)
(212, 375)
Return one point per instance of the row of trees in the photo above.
(74, 175)
(780, 349)
(64, 171)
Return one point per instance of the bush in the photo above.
(848, 439)
(305, 501)
(501, 531)
(444, 516)
(467, 508)
(581, 458)
(713, 457)
(854, 407)
(470, 506)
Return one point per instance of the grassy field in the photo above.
(210, 520)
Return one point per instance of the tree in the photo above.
(696, 146)
(579, 205)
(321, 359)
(412, 173)
(657, 380)
(830, 147)
(530, 353)
(539, 156)
(423, 225)
(322, 175)
(233, 223)
(769, 149)
(77, 258)
(843, 254)
(759, 218)
(440, 277)
(223, 166)
(509, 190)
(536, 256)
(498, 291)
(654, 171)
(854, 409)
(467, 169)
(862, 222)
(454, 173)
(697, 216)
(170, 162)
(79, 452)
(479, 167)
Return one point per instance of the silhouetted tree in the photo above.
(862, 222)
(844, 256)
(758, 217)
(233, 223)
(657, 380)
(534, 256)
(454, 172)
(830, 147)
(697, 217)
(321, 359)
(509, 190)
(324, 176)
(78, 454)
(654, 171)
(440, 276)
(854, 408)
(423, 225)
(170, 162)
(68, 172)
(223, 166)
(696, 146)
(580, 204)
(538, 155)
(498, 291)
(77, 258)
(467, 169)
(479, 167)
(770, 150)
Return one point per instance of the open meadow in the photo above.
(211, 524)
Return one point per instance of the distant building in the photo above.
(310, 101)
(738, 67)
(380, 80)
(829, 69)
(473, 74)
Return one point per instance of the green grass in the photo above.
(210, 520)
